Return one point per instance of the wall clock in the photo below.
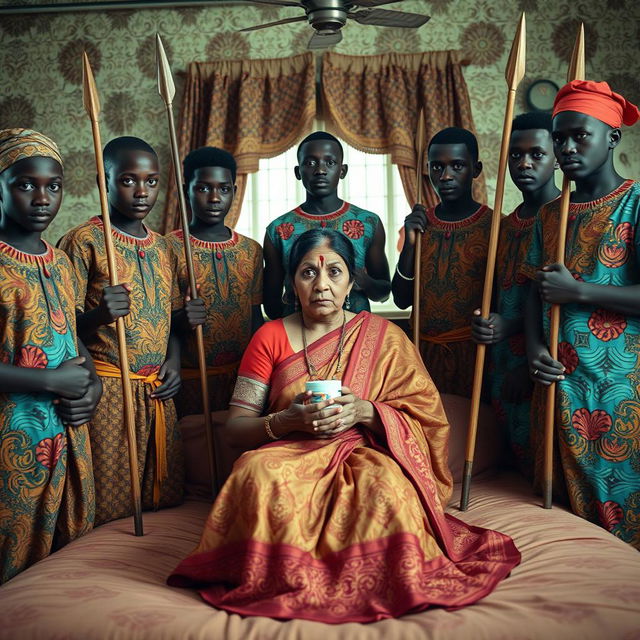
(541, 94)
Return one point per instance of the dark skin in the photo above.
(532, 164)
(320, 170)
(584, 148)
(210, 194)
(132, 190)
(321, 282)
(452, 170)
(30, 196)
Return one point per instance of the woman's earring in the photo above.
(347, 303)
(295, 302)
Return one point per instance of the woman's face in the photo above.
(321, 282)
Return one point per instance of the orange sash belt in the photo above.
(455, 335)
(108, 370)
(194, 374)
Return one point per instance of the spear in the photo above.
(420, 143)
(92, 107)
(576, 72)
(167, 91)
(513, 75)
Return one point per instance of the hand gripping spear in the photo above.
(576, 72)
(513, 74)
(167, 91)
(420, 144)
(92, 107)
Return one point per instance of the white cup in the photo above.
(323, 389)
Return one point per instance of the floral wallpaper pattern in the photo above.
(41, 71)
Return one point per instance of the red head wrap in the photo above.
(597, 100)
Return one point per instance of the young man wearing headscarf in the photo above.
(48, 385)
(598, 375)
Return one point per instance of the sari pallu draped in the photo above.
(350, 529)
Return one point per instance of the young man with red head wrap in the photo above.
(598, 376)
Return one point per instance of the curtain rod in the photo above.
(68, 7)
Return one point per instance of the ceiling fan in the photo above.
(327, 17)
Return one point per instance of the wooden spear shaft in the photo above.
(576, 72)
(514, 74)
(420, 144)
(166, 89)
(92, 107)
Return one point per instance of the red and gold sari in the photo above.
(350, 529)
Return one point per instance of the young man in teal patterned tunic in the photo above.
(598, 373)
(320, 158)
(532, 166)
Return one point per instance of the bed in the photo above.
(575, 580)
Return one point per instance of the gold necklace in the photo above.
(313, 372)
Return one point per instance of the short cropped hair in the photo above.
(457, 135)
(311, 238)
(533, 120)
(124, 143)
(208, 157)
(319, 135)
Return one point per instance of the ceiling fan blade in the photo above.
(384, 18)
(324, 40)
(275, 24)
(277, 3)
(372, 3)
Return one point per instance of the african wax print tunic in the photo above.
(598, 413)
(453, 263)
(511, 385)
(145, 264)
(359, 225)
(46, 484)
(229, 275)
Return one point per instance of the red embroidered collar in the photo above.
(458, 224)
(325, 216)
(147, 241)
(32, 258)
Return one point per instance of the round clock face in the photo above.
(541, 94)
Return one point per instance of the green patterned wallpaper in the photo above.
(40, 67)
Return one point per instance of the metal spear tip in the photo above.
(166, 87)
(577, 65)
(90, 98)
(517, 56)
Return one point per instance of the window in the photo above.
(372, 183)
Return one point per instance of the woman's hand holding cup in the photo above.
(345, 415)
(305, 415)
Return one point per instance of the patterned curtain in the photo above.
(252, 108)
(373, 103)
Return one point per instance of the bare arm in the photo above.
(414, 224)
(558, 286)
(375, 282)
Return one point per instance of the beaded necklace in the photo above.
(313, 372)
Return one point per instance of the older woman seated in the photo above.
(337, 513)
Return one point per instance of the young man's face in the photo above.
(320, 167)
(133, 183)
(582, 144)
(210, 193)
(31, 193)
(531, 159)
(452, 170)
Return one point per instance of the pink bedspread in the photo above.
(575, 581)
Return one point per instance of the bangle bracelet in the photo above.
(267, 427)
(403, 276)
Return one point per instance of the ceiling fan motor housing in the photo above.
(326, 16)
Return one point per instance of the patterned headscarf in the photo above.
(18, 144)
